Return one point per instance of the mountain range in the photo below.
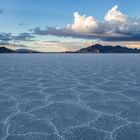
(97, 48)
(6, 50)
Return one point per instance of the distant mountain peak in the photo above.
(5, 50)
(98, 48)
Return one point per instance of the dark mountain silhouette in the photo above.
(5, 50)
(97, 48)
(25, 51)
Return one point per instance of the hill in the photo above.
(26, 51)
(97, 48)
(6, 50)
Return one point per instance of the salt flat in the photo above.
(69, 97)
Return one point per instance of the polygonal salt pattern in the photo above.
(24, 124)
(2, 130)
(69, 97)
(129, 132)
(65, 115)
(33, 137)
(108, 122)
(86, 133)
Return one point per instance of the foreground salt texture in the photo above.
(69, 97)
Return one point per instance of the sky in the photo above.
(67, 25)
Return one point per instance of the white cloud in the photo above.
(115, 27)
(115, 16)
(83, 23)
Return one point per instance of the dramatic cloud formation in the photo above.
(116, 27)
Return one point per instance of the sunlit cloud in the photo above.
(115, 27)
(115, 16)
(83, 23)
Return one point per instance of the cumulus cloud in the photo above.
(83, 23)
(115, 16)
(115, 27)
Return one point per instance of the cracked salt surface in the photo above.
(69, 97)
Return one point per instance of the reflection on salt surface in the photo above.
(69, 97)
